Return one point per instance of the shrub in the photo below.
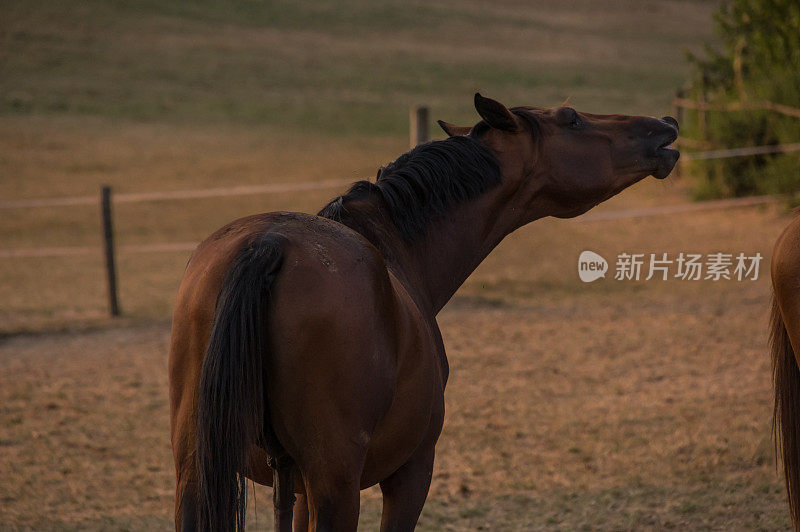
(759, 61)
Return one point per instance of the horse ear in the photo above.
(495, 113)
(453, 130)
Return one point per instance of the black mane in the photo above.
(423, 184)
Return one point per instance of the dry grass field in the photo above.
(155, 96)
(615, 405)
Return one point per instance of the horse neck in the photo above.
(435, 265)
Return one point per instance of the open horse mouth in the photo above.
(666, 155)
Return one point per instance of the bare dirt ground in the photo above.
(611, 406)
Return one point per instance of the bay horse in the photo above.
(305, 352)
(785, 345)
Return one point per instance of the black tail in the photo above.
(231, 410)
(786, 416)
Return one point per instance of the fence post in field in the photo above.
(108, 242)
(676, 112)
(418, 121)
(701, 117)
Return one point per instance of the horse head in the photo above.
(561, 162)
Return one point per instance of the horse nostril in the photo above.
(671, 121)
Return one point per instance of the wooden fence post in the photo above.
(418, 122)
(677, 113)
(108, 240)
(701, 116)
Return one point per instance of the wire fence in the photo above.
(418, 134)
(680, 103)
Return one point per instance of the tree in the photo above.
(759, 61)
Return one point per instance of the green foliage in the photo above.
(759, 61)
(337, 67)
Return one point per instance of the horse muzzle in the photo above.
(660, 141)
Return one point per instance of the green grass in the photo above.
(341, 68)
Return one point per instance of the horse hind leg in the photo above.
(332, 490)
(186, 508)
(283, 492)
(300, 518)
(330, 469)
(333, 504)
(405, 491)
